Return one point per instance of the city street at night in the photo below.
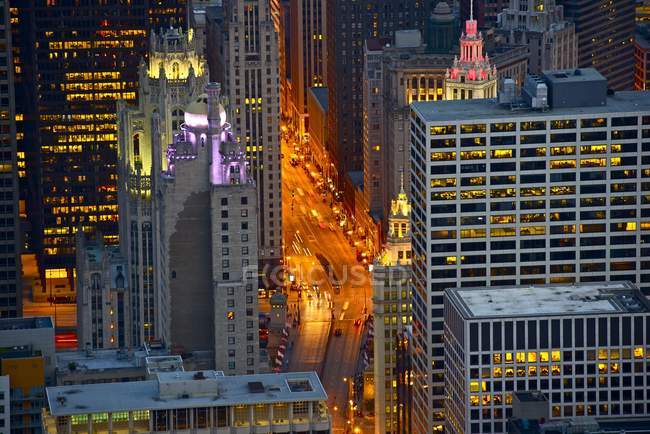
(328, 341)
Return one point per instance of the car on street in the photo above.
(357, 322)
(338, 332)
(337, 288)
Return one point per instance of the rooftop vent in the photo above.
(199, 376)
(255, 387)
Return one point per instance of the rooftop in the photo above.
(486, 110)
(37, 322)
(320, 95)
(185, 390)
(573, 75)
(100, 360)
(548, 300)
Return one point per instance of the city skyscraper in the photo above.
(78, 60)
(206, 215)
(308, 58)
(243, 56)
(605, 38)
(550, 38)
(349, 24)
(485, 12)
(546, 193)
(172, 75)
(10, 233)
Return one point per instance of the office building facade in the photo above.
(348, 26)
(175, 73)
(171, 402)
(605, 38)
(73, 69)
(391, 300)
(642, 57)
(308, 57)
(551, 39)
(10, 235)
(207, 249)
(243, 56)
(485, 12)
(544, 191)
(585, 347)
(104, 311)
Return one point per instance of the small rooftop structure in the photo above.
(548, 300)
(193, 389)
(37, 322)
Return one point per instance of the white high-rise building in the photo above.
(585, 347)
(174, 74)
(510, 194)
(243, 56)
(206, 216)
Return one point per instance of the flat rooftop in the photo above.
(99, 360)
(487, 110)
(185, 390)
(321, 96)
(548, 300)
(37, 322)
(577, 75)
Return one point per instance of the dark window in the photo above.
(543, 334)
(532, 334)
(521, 335)
(566, 333)
(591, 332)
(485, 336)
(614, 332)
(579, 333)
(496, 336)
(602, 331)
(627, 331)
(473, 337)
(638, 330)
(555, 333)
(508, 335)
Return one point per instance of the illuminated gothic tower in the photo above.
(175, 73)
(206, 214)
(473, 75)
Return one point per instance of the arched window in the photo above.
(175, 70)
(136, 144)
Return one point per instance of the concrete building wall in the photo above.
(188, 248)
(234, 261)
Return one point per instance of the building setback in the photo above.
(243, 56)
(605, 38)
(507, 196)
(584, 347)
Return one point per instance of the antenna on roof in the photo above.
(471, 10)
